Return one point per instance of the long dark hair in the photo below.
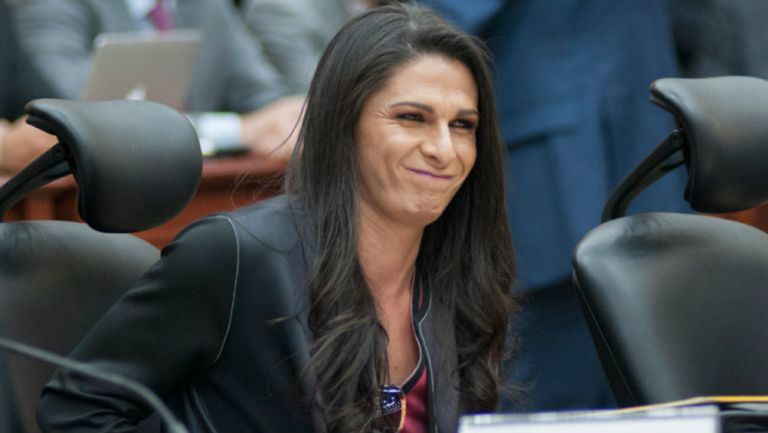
(466, 255)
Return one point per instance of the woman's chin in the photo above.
(425, 214)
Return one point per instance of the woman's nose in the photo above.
(439, 147)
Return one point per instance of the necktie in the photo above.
(160, 17)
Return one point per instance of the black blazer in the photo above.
(199, 329)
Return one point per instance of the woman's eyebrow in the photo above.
(418, 105)
(429, 109)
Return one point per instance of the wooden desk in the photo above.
(757, 217)
(227, 183)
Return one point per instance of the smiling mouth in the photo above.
(432, 175)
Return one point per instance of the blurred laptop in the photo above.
(152, 66)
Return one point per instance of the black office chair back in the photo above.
(137, 164)
(677, 304)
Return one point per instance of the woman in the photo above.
(374, 296)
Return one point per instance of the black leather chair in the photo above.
(137, 164)
(678, 304)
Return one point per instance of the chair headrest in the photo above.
(137, 163)
(725, 122)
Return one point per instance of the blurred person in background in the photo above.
(231, 74)
(721, 37)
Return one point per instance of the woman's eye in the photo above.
(463, 124)
(414, 117)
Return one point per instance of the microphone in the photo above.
(139, 390)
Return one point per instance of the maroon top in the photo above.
(416, 406)
(416, 411)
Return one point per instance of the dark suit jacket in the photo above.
(571, 80)
(721, 37)
(231, 73)
(19, 81)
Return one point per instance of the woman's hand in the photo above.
(272, 131)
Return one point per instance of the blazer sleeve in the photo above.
(292, 34)
(58, 37)
(253, 81)
(164, 332)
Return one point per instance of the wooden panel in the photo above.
(757, 217)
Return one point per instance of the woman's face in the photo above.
(416, 140)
